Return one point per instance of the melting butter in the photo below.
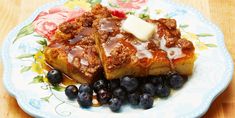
(138, 27)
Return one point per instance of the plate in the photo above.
(24, 77)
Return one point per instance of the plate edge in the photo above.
(223, 49)
(8, 40)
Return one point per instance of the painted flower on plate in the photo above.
(73, 4)
(46, 22)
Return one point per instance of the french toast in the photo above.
(122, 53)
(95, 42)
(72, 50)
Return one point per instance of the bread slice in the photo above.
(72, 50)
(123, 54)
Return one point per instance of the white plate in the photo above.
(212, 73)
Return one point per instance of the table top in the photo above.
(220, 12)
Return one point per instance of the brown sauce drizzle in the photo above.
(79, 54)
(66, 79)
(106, 25)
(75, 54)
(84, 32)
(142, 50)
(113, 42)
(95, 102)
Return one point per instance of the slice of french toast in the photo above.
(72, 50)
(123, 54)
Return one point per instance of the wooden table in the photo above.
(221, 12)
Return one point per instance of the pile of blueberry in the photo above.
(135, 91)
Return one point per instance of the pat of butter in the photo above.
(138, 27)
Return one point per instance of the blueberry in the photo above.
(171, 73)
(148, 88)
(100, 84)
(85, 88)
(71, 91)
(115, 104)
(120, 93)
(103, 96)
(84, 99)
(54, 76)
(146, 101)
(176, 81)
(143, 80)
(156, 80)
(162, 91)
(129, 83)
(134, 98)
(113, 84)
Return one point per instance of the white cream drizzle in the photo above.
(105, 25)
(142, 50)
(173, 52)
(111, 44)
(77, 52)
(84, 62)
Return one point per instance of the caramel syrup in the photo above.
(66, 79)
(95, 102)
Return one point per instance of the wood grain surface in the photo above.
(221, 12)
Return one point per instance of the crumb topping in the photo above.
(185, 44)
(119, 46)
(119, 57)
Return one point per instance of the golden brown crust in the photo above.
(75, 40)
(119, 57)
(167, 28)
(186, 45)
